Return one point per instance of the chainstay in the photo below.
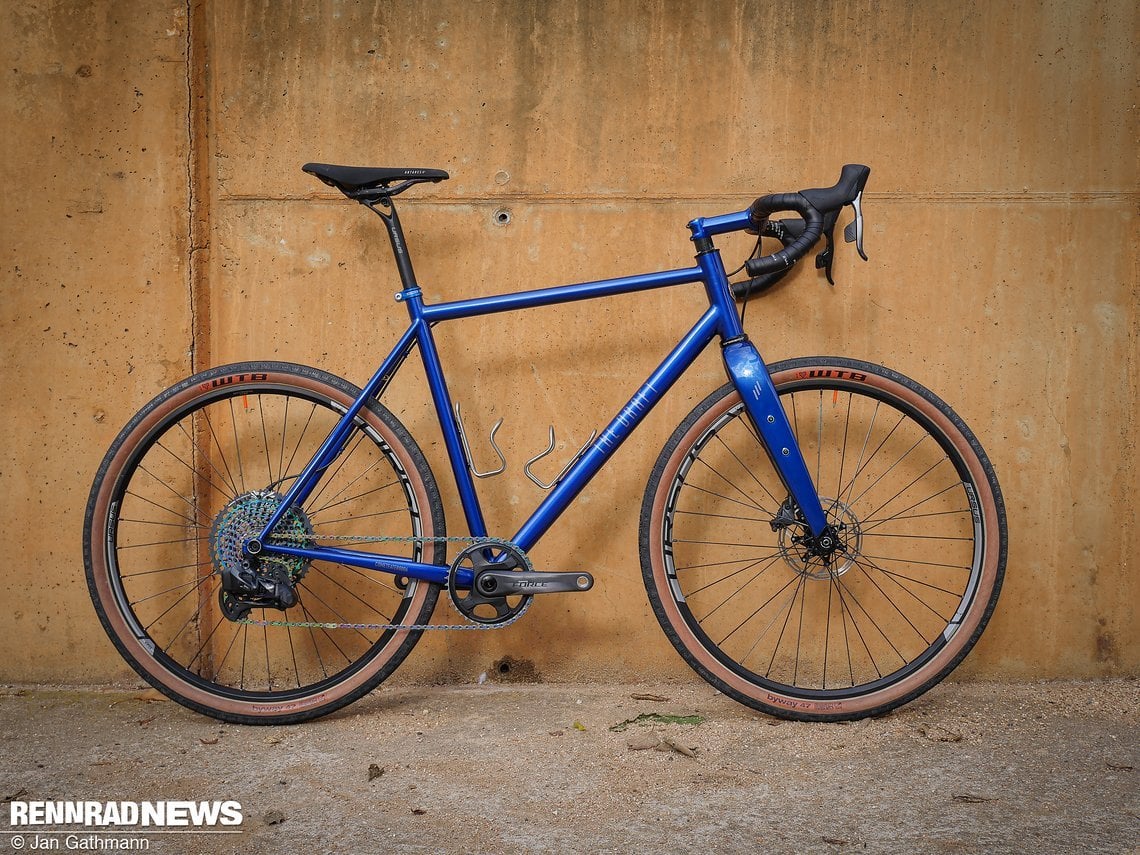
(416, 627)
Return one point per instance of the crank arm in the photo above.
(504, 583)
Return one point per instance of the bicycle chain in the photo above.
(410, 627)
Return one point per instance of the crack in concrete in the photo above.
(197, 181)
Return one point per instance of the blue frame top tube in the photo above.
(552, 296)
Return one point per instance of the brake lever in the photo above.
(854, 230)
(826, 256)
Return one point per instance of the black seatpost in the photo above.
(395, 235)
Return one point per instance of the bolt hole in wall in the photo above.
(501, 217)
(512, 670)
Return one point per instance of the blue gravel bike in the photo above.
(821, 538)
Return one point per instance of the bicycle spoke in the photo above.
(819, 440)
(723, 516)
(851, 486)
(751, 474)
(720, 579)
(849, 614)
(364, 516)
(194, 582)
(845, 493)
(284, 435)
(237, 445)
(297, 446)
(205, 644)
(198, 539)
(889, 469)
(915, 561)
(368, 605)
(342, 461)
(265, 439)
(228, 491)
(293, 655)
(229, 477)
(138, 573)
(721, 642)
(188, 501)
(871, 521)
(843, 449)
(863, 566)
(373, 578)
(726, 498)
(722, 563)
(751, 501)
(874, 524)
(908, 486)
(369, 492)
(337, 616)
(268, 669)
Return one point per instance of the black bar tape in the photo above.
(784, 258)
(757, 284)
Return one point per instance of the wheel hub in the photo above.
(830, 555)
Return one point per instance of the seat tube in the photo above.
(443, 407)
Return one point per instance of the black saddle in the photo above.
(358, 181)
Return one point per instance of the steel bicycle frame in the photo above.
(743, 365)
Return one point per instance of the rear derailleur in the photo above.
(255, 585)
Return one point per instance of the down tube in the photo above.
(595, 457)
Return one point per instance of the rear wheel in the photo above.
(201, 469)
(914, 501)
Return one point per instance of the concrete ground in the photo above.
(970, 767)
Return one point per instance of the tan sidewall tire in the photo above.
(712, 669)
(132, 647)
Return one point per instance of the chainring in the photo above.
(479, 606)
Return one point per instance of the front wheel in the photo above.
(201, 469)
(914, 501)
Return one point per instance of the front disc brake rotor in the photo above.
(847, 529)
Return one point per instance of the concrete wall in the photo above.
(155, 221)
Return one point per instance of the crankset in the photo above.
(492, 582)
(503, 583)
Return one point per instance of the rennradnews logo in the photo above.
(122, 815)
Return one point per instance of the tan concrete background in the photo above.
(155, 221)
